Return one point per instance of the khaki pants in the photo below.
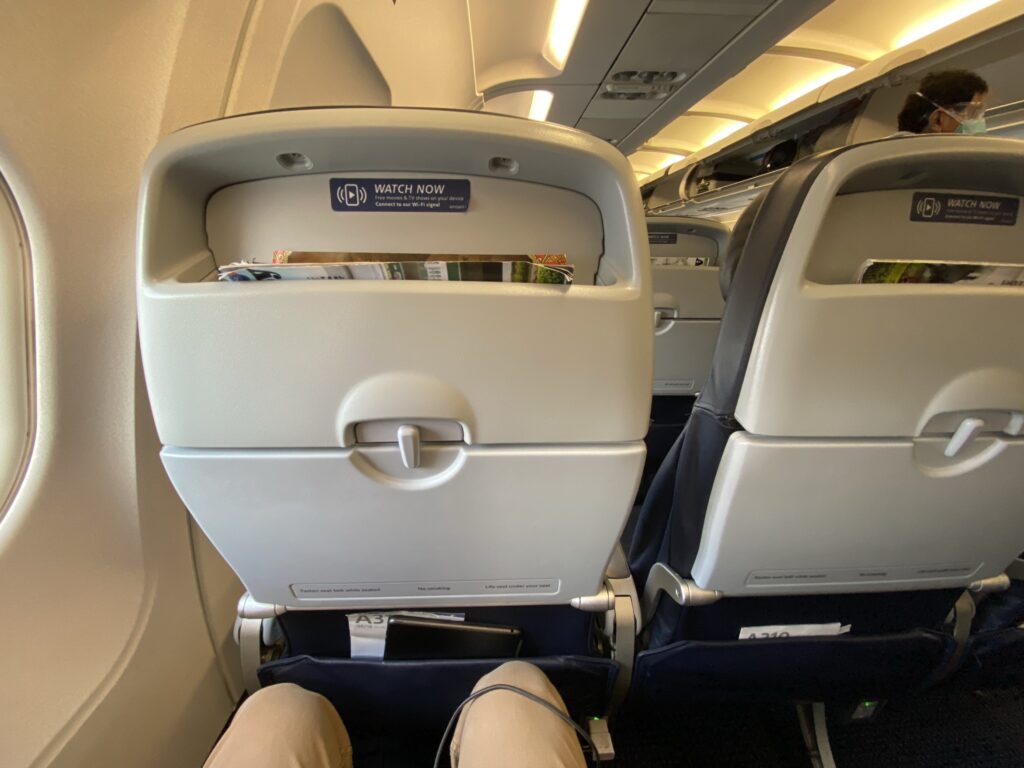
(285, 726)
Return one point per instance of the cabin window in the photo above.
(16, 378)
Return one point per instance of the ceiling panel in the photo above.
(843, 37)
(678, 41)
(605, 128)
(615, 108)
(743, 7)
(675, 37)
(708, 42)
(606, 28)
(508, 40)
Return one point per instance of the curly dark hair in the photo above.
(954, 86)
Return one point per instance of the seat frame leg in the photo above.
(259, 638)
(250, 651)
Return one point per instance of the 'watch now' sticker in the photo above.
(964, 209)
(400, 195)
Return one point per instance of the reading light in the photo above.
(836, 70)
(952, 13)
(565, 23)
(541, 105)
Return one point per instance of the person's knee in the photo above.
(284, 725)
(289, 708)
(522, 674)
(503, 729)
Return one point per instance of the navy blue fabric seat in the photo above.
(994, 657)
(378, 698)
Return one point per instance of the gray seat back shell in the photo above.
(815, 459)
(289, 410)
(685, 253)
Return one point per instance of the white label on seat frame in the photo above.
(772, 631)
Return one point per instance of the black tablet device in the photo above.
(411, 638)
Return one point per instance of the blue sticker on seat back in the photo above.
(957, 208)
(400, 195)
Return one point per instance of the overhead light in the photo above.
(952, 13)
(565, 23)
(729, 130)
(541, 105)
(802, 89)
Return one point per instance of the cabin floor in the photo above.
(938, 729)
(944, 727)
(711, 734)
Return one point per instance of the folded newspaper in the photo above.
(310, 265)
(942, 272)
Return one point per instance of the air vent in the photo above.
(647, 76)
(642, 84)
(635, 91)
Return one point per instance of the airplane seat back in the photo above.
(355, 443)
(856, 440)
(685, 254)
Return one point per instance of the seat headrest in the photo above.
(737, 241)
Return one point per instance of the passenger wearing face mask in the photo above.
(945, 102)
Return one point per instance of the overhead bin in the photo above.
(398, 442)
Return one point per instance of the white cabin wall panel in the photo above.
(260, 53)
(508, 41)
(435, 36)
(205, 62)
(111, 660)
(423, 49)
(220, 589)
(208, 53)
(165, 701)
(326, 64)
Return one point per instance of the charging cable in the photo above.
(502, 687)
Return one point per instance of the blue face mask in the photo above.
(975, 126)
